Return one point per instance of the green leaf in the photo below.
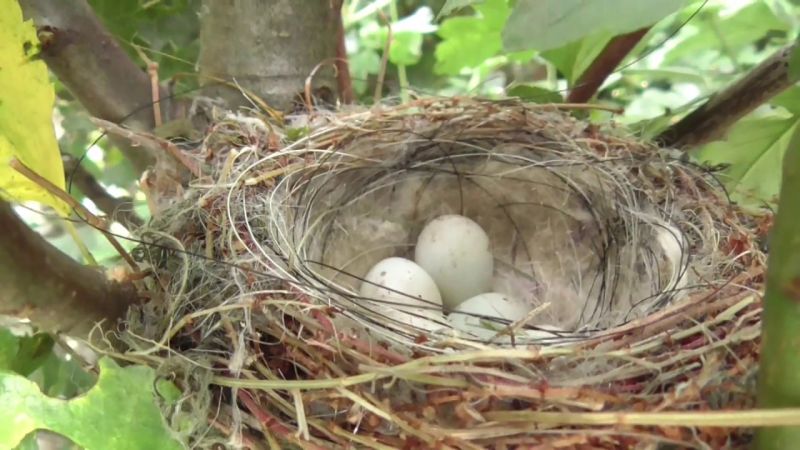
(32, 353)
(62, 378)
(23, 354)
(29, 443)
(406, 49)
(363, 63)
(168, 391)
(9, 347)
(789, 99)
(469, 41)
(574, 58)
(455, 5)
(407, 34)
(651, 127)
(168, 29)
(794, 64)
(26, 111)
(754, 148)
(535, 94)
(729, 34)
(549, 24)
(118, 413)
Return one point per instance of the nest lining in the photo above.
(611, 240)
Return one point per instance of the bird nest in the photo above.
(640, 278)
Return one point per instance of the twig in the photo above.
(308, 84)
(384, 62)
(247, 438)
(150, 141)
(66, 198)
(343, 67)
(712, 119)
(271, 423)
(748, 418)
(605, 63)
(402, 76)
(117, 209)
(612, 109)
(155, 89)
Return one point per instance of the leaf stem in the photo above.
(402, 76)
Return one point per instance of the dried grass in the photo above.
(255, 311)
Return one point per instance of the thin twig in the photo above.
(93, 220)
(342, 64)
(750, 418)
(308, 84)
(150, 141)
(155, 88)
(118, 209)
(402, 76)
(384, 62)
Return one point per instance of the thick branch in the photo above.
(712, 119)
(117, 209)
(605, 63)
(343, 79)
(98, 72)
(779, 371)
(280, 46)
(39, 282)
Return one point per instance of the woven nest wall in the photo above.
(641, 281)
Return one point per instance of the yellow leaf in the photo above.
(26, 111)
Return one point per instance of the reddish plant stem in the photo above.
(271, 423)
(343, 80)
(603, 66)
(116, 209)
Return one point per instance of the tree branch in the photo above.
(43, 284)
(605, 63)
(343, 79)
(712, 119)
(282, 44)
(86, 58)
(117, 209)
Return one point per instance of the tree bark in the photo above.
(269, 47)
(56, 293)
(710, 121)
(345, 83)
(99, 73)
(779, 372)
(605, 63)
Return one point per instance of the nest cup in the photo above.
(610, 241)
(580, 231)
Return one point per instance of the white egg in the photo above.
(486, 314)
(404, 292)
(456, 252)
